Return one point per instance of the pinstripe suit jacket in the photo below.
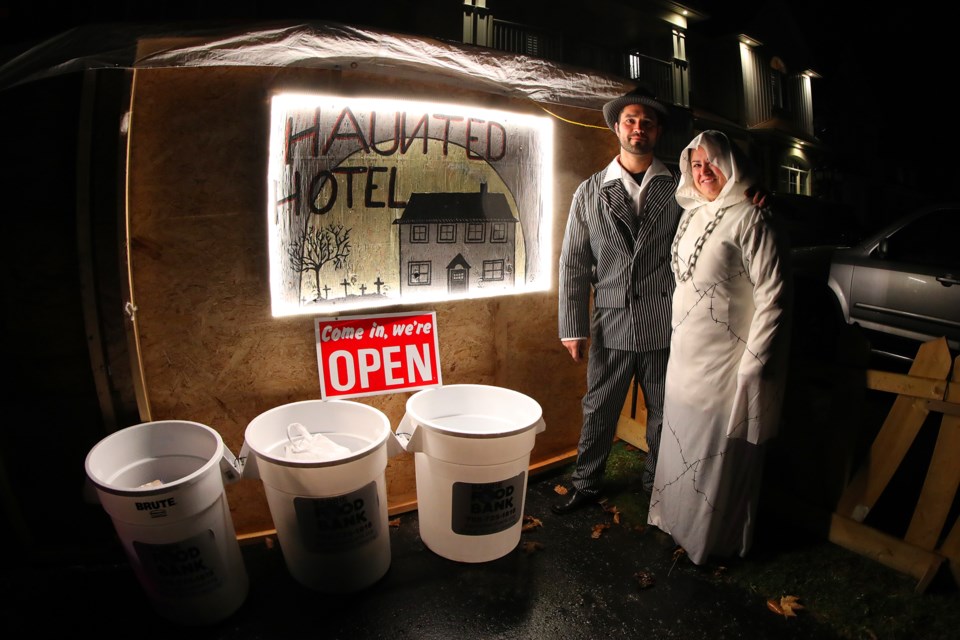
(623, 258)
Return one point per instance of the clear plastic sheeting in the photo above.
(317, 45)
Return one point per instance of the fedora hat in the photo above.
(640, 95)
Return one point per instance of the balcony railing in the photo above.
(517, 38)
(667, 78)
(657, 74)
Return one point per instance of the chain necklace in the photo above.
(692, 262)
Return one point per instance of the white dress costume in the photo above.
(728, 361)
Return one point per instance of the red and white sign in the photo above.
(370, 355)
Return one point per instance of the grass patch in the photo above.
(857, 597)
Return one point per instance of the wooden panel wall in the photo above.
(212, 353)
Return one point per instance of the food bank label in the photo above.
(341, 523)
(190, 567)
(488, 507)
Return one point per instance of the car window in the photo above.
(810, 222)
(933, 240)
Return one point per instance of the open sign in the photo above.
(370, 355)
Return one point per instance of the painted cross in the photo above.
(326, 290)
(345, 283)
(378, 282)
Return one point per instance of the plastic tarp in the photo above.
(317, 45)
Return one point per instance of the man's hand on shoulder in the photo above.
(758, 195)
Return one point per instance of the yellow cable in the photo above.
(579, 124)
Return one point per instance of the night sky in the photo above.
(885, 97)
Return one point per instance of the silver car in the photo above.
(905, 279)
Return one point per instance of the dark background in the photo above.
(883, 103)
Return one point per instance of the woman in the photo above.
(728, 351)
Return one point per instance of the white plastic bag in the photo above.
(317, 447)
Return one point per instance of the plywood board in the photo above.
(211, 351)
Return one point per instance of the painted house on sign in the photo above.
(456, 242)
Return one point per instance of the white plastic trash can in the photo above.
(330, 515)
(472, 448)
(162, 483)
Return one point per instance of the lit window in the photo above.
(418, 273)
(794, 177)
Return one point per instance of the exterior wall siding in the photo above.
(757, 99)
(803, 89)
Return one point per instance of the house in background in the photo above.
(452, 243)
(746, 73)
(642, 41)
(753, 80)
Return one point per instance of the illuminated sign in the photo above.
(377, 202)
(370, 355)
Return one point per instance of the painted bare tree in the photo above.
(320, 246)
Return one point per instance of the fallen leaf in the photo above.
(787, 606)
(530, 523)
(531, 547)
(719, 571)
(560, 490)
(644, 580)
(395, 522)
(613, 509)
(790, 606)
(678, 553)
(774, 606)
(598, 530)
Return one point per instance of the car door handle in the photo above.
(948, 280)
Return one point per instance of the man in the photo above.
(617, 243)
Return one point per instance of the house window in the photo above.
(493, 269)
(418, 273)
(418, 233)
(778, 73)
(447, 233)
(929, 240)
(794, 177)
(474, 232)
(498, 232)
